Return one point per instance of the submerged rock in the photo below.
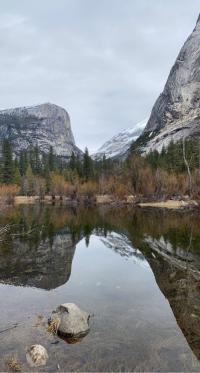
(71, 321)
(36, 356)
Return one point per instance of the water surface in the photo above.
(135, 271)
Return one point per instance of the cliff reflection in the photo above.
(46, 265)
(38, 250)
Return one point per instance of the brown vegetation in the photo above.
(14, 365)
(53, 326)
(8, 192)
(135, 177)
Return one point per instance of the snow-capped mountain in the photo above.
(119, 144)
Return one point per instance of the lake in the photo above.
(135, 271)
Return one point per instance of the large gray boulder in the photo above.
(70, 320)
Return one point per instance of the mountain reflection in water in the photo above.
(40, 247)
(46, 265)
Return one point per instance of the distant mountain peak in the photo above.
(118, 145)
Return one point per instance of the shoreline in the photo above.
(101, 200)
(171, 204)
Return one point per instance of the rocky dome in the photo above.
(43, 125)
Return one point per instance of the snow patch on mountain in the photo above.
(119, 144)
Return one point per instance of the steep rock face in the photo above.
(176, 112)
(119, 144)
(42, 125)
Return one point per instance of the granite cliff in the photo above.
(176, 112)
(43, 125)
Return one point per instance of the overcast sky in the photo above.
(104, 61)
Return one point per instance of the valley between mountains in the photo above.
(156, 159)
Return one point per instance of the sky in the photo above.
(104, 61)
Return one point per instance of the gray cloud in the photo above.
(104, 61)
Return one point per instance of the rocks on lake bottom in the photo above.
(36, 356)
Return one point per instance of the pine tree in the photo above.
(23, 162)
(88, 170)
(51, 159)
(79, 167)
(104, 163)
(17, 177)
(1, 172)
(72, 162)
(48, 181)
(30, 179)
(35, 160)
(7, 164)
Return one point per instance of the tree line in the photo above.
(156, 175)
(33, 170)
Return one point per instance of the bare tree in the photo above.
(188, 168)
(199, 153)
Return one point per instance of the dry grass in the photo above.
(89, 189)
(13, 364)
(53, 326)
(8, 192)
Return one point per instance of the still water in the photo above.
(136, 272)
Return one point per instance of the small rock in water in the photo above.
(71, 320)
(36, 356)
